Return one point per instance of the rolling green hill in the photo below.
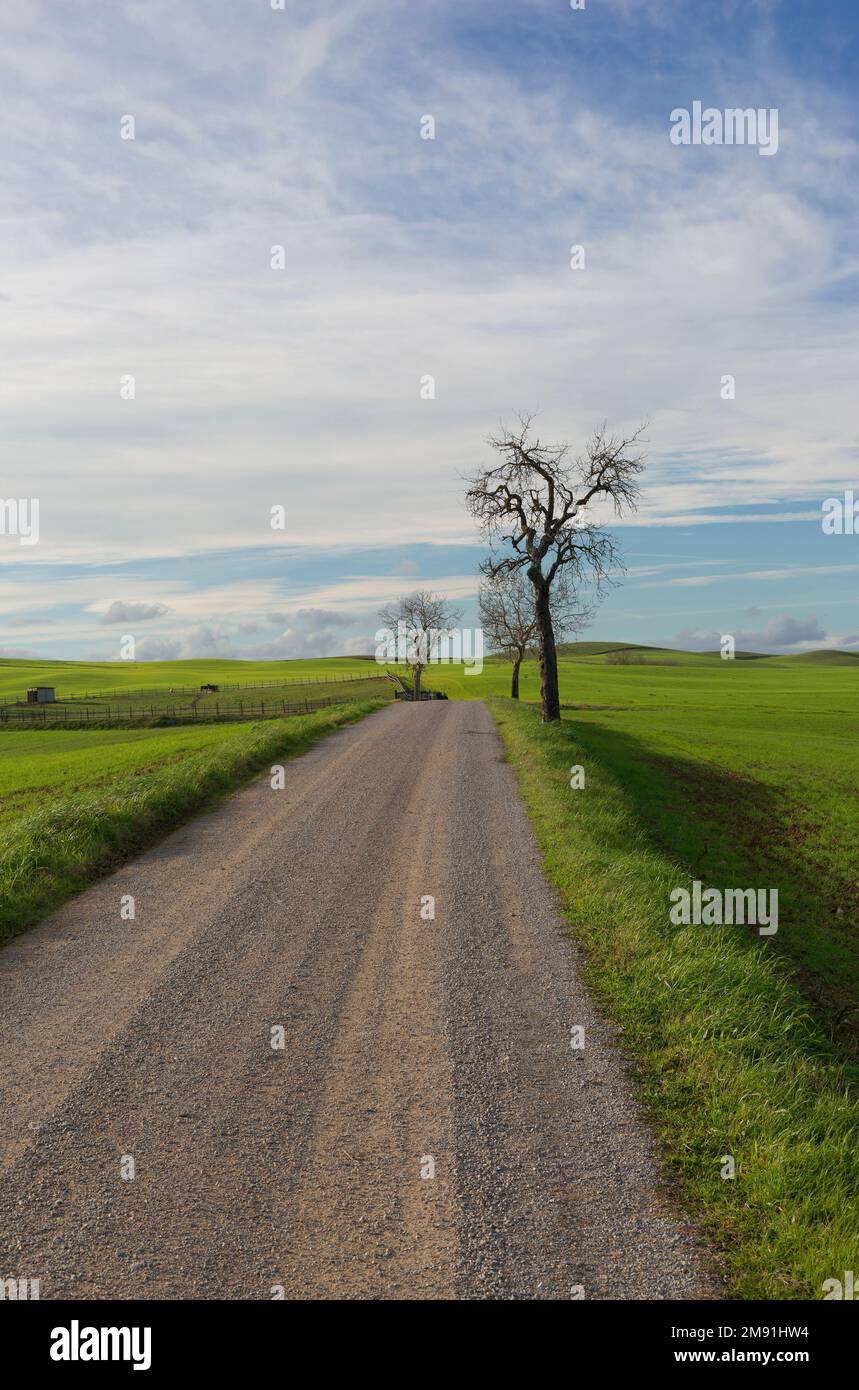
(102, 678)
(828, 657)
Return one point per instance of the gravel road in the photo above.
(426, 1131)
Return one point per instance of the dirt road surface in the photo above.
(426, 1130)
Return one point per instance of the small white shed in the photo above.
(41, 695)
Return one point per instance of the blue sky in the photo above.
(406, 258)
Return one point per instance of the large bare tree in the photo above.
(539, 500)
(420, 621)
(509, 618)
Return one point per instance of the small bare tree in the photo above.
(420, 622)
(509, 619)
(538, 500)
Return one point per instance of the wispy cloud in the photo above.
(769, 575)
(784, 633)
(119, 612)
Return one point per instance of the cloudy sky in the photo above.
(147, 264)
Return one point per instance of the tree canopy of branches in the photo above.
(509, 619)
(419, 623)
(538, 500)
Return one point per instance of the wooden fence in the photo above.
(45, 716)
(377, 675)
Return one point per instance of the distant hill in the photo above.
(639, 654)
(828, 656)
(602, 648)
(744, 656)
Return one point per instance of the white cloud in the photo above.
(772, 575)
(782, 633)
(150, 649)
(120, 612)
(312, 632)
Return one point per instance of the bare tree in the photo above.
(538, 500)
(509, 618)
(420, 622)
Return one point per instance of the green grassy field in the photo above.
(79, 678)
(36, 768)
(746, 771)
(108, 694)
(672, 680)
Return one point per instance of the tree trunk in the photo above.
(417, 681)
(514, 684)
(550, 699)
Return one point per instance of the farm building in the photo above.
(41, 695)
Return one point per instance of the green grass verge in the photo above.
(730, 1056)
(748, 798)
(101, 797)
